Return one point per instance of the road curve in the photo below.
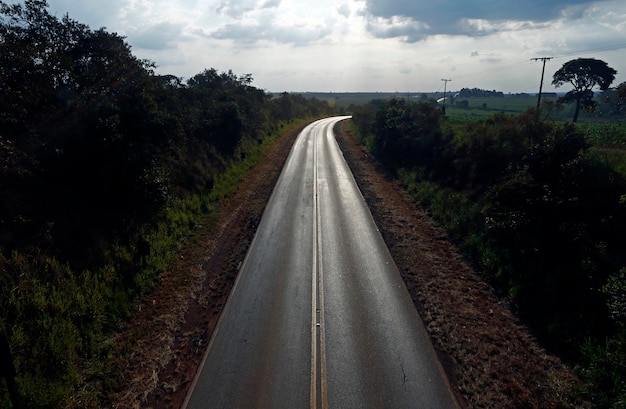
(319, 316)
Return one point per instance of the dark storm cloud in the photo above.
(458, 17)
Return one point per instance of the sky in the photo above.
(366, 45)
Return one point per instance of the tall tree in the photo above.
(621, 92)
(584, 74)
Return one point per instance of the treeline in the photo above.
(104, 167)
(477, 92)
(538, 212)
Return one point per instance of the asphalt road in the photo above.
(319, 316)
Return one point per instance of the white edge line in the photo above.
(313, 390)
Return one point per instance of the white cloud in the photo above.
(254, 32)
(344, 10)
(235, 8)
(365, 45)
(404, 28)
(163, 35)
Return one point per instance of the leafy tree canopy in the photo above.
(584, 74)
(621, 92)
(104, 167)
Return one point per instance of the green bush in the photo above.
(537, 208)
(106, 170)
(604, 371)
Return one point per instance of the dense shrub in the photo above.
(537, 212)
(104, 168)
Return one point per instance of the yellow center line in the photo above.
(318, 333)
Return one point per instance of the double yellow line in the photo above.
(319, 385)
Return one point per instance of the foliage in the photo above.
(538, 212)
(105, 167)
(605, 368)
(476, 92)
(583, 74)
(404, 131)
(621, 93)
(610, 103)
(604, 135)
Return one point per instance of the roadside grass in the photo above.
(608, 144)
(599, 134)
(226, 183)
(611, 158)
(604, 372)
(453, 210)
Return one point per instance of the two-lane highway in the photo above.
(319, 316)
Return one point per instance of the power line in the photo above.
(591, 50)
(555, 56)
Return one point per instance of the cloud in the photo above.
(489, 57)
(373, 44)
(278, 22)
(454, 10)
(491, 60)
(255, 31)
(237, 9)
(344, 10)
(95, 14)
(405, 28)
(161, 36)
(418, 19)
(271, 4)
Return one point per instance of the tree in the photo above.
(584, 74)
(621, 92)
(405, 133)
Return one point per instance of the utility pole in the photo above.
(445, 84)
(544, 59)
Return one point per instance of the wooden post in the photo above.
(544, 59)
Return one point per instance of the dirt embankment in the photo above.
(491, 359)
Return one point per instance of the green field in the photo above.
(469, 108)
(512, 104)
(347, 99)
(476, 106)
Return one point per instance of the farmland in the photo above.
(462, 109)
(508, 103)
